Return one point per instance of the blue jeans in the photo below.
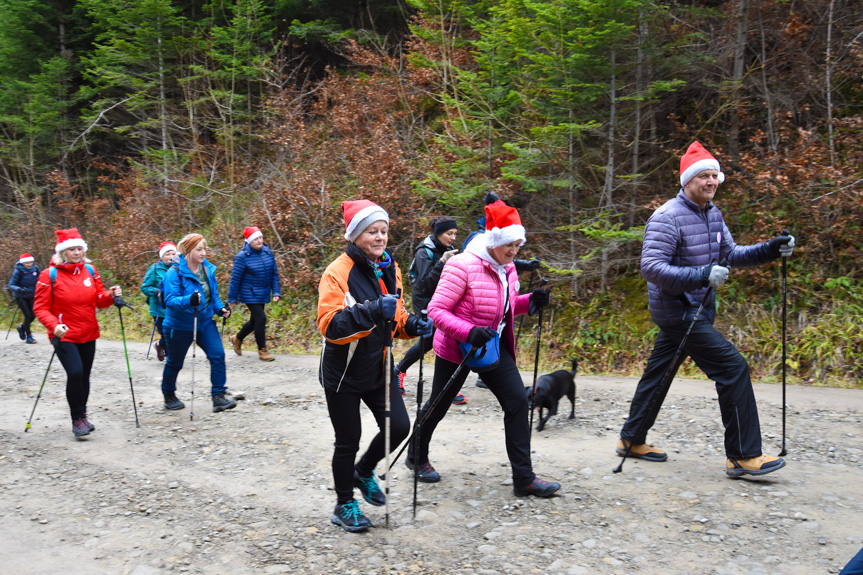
(722, 363)
(210, 343)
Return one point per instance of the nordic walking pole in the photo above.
(669, 374)
(55, 341)
(118, 301)
(194, 347)
(152, 335)
(388, 380)
(784, 310)
(14, 315)
(542, 283)
(521, 320)
(434, 402)
(416, 439)
(224, 321)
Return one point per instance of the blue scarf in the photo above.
(381, 265)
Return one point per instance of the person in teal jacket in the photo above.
(151, 288)
(190, 291)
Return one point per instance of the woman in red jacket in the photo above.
(67, 295)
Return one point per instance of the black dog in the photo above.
(550, 389)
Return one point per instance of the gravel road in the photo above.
(249, 491)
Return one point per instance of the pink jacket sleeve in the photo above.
(449, 292)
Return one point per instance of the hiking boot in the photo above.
(160, 353)
(402, 381)
(459, 399)
(90, 426)
(264, 355)
(425, 472)
(370, 489)
(221, 403)
(760, 465)
(481, 383)
(21, 333)
(538, 488)
(640, 451)
(172, 403)
(349, 516)
(80, 428)
(237, 343)
(30, 339)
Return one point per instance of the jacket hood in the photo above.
(183, 267)
(479, 249)
(20, 266)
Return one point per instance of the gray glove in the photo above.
(447, 255)
(714, 275)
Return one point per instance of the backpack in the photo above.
(412, 271)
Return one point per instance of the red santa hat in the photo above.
(696, 160)
(166, 247)
(69, 239)
(503, 225)
(26, 258)
(252, 233)
(360, 214)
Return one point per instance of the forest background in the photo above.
(138, 121)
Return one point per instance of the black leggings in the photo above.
(418, 349)
(505, 382)
(77, 360)
(26, 306)
(256, 323)
(344, 411)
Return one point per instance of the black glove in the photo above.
(780, 246)
(195, 299)
(527, 265)
(225, 312)
(479, 336)
(539, 298)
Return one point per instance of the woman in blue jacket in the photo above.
(190, 289)
(22, 284)
(253, 278)
(152, 285)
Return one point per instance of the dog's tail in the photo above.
(574, 365)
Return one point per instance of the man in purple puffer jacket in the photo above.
(683, 241)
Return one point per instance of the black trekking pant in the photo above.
(256, 323)
(77, 360)
(418, 349)
(344, 411)
(505, 382)
(25, 304)
(722, 363)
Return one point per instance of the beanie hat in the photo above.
(69, 239)
(166, 247)
(25, 258)
(696, 160)
(443, 224)
(360, 214)
(252, 233)
(503, 225)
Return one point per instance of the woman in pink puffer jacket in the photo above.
(476, 300)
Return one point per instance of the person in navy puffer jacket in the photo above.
(253, 279)
(22, 284)
(686, 247)
(191, 293)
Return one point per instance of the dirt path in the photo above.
(250, 491)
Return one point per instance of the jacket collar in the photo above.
(183, 267)
(681, 196)
(249, 250)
